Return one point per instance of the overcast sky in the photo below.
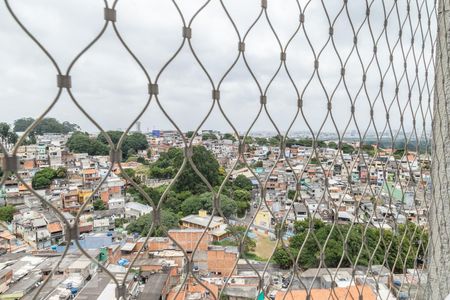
(109, 84)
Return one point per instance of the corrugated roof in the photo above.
(128, 247)
(54, 227)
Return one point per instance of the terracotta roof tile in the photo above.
(54, 227)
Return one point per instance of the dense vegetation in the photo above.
(6, 213)
(47, 125)
(189, 193)
(7, 135)
(142, 224)
(170, 162)
(43, 178)
(98, 205)
(204, 201)
(81, 142)
(409, 251)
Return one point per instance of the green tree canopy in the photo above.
(229, 136)
(291, 194)
(7, 136)
(4, 130)
(43, 178)
(142, 225)
(47, 125)
(208, 136)
(7, 213)
(281, 257)
(131, 145)
(99, 205)
(399, 253)
(80, 142)
(332, 145)
(22, 124)
(243, 183)
(170, 162)
(204, 201)
(369, 149)
(242, 195)
(347, 149)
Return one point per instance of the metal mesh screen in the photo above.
(357, 73)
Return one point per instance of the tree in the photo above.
(208, 136)
(47, 125)
(369, 149)
(7, 213)
(41, 182)
(206, 164)
(281, 257)
(142, 225)
(204, 201)
(261, 141)
(242, 195)
(332, 145)
(249, 140)
(275, 140)
(174, 200)
(136, 141)
(61, 172)
(399, 153)
(7, 136)
(12, 137)
(242, 182)
(114, 135)
(189, 134)
(242, 207)
(166, 165)
(170, 162)
(347, 149)
(43, 178)
(22, 124)
(229, 136)
(333, 239)
(119, 222)
(4, 130)
(291, 194)
(131, 144)
(98, 205)
(80, 142)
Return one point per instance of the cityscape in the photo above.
(224, 150)
(270, 216)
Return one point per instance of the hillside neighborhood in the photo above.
(282, 201)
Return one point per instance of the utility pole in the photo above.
(438, 286)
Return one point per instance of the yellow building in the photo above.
(83, 195)
(263, 218)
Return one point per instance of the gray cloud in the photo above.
(113, 89)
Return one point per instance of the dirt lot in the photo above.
(264, 246)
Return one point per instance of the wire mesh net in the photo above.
(342, 187)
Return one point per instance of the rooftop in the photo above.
(154, 286)
(203, 221)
